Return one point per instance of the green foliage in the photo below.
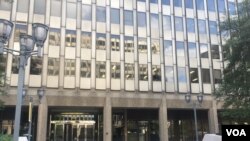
(4, 137)
(235, 87)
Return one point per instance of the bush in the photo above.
(5, 137)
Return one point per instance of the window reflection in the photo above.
(129, 71)
(205, 75)
(53, 66)
(141, 19)
(86, 40)
(100, 14)
(69, 67)
(211, 5)
(169, 72)
(203, 51)
(189, 4)
(100, 41)
(54, 37)
(85, 68)
(115, 42)
(194, 75)
(180, 49)
(166, 23)
(35, 65)
(115, 70)
(202, 26)
(143, 70)
(215, 54)
(71, 10)
(86, 12)
(15, 65)
(55, 4)
(154, 21)
(231, 9)
(129, 44)
(178, 24)
(22, 5)
(19, 30)
(100, 69)
(155, 46)
(153, 1)
(70, 38)
(221, 6)
(128, 17)
(212, 27)
(190, 25)
(168, 48)
(192, 50)
(165, 2)
(156, 72)
(142, 45)
(3, 63)
(115, 16)
(217, 76)
(177, 3)
(40, 7)
(182, 75)
(200, 4)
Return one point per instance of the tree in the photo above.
(2, 78)
(235, 87)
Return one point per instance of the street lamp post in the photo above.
(194, 104)
(27, 42)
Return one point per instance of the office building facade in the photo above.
(118, 69)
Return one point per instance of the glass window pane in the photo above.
(115, 42)
(155, 46)
(202, 26)
(215, 52)
(71, 10)
(115, 70)
(194, 78)
(217, 76)
(192, 50)
(40, 7)
(100, 69)
(203, 51)
(142, 45)
(232, 10)
(221, 6)
(169, 72)
(55, 4)
(86, 12)
(177, 3)
(53, 66)
(153, 1)
(129, 71)
(166, 23)
(156, 72)
(100, 14)
(86, 40)
(85, 68)
(178, 24)
(69, 67)
(115, 16)
(15, 64)
(54, 37)
(205, 76)
(180, 49)
(143, 70)
(128, 17)
(35, 65)
(129, 44)
(168, 48)
(211, 5)
(200, 4)
(190, 25)
(154, 21)
(165, 2)
(189, 3)
(141, 19)
(212, 27)
(3, 62)
(100, 41)
(70, 38)
(22, 6)
(181, 75)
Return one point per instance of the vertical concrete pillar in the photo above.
(163, 120)
(213, 118)
(107, 121)
(42, 120)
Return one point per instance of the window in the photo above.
(166, 23)
(143, 70)
(156, 72)
(153, 1)
(190, 25)
(231, 9)
(205, 76)
(215, 52)
(128, 17)
(168, 48)
(69, 67)
(53, 66)
(129, 44)
(142, 45)
(194, 75)
(180, 49)
(200, 4)
(189, 4)
(40, 7)
(115, 42)
(177, 3)
(100, 14)
(169, 74)
(129, 71)
(165, 2)
(86, 40)
(212, 27)
(178, 24)
(100, 69)
(203, 51)
(221, 6)
(182, 75)
(100, 41)
(19, 30)
(155, 46)
(54, 37)
(142, 0)
(71, 10)
(217, 76)
(3, 59)
(192, 50)
(35, 65)
(85, 68)
(141, 19)
(202, 26)
(15, 64)
(55, 4)
(115, 70)
(86, 12)
(115, 16)
(22, 5)
(154, 21)
(211, 5)
(5, 5)
(70, 39)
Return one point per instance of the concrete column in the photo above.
(42, 120)
(107, 121)
(213, 118)
(163, 120)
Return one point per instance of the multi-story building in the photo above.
(118, 69)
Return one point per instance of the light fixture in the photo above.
(26, 43)
(40, 93)
(6, 28)
(39, 32)
(188, 98)
(200, 98)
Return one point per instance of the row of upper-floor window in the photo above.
(129, 70)
(56, 6)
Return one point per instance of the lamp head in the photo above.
(26, 43)
(6, 28)
(40, 93)
(188, 98)
(39, 32)
(200, 98)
